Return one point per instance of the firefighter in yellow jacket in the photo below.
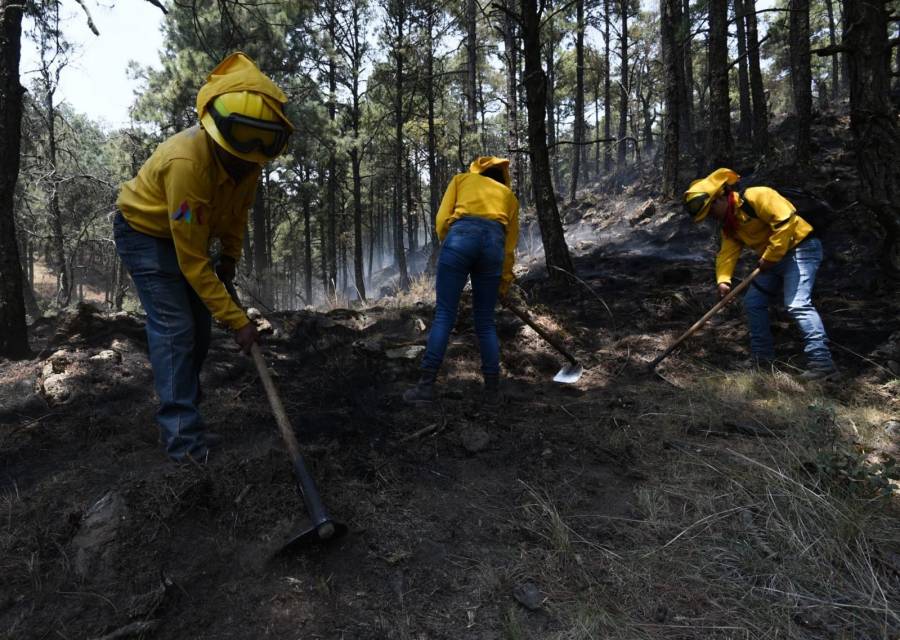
(789, 257)
(198, 185)
(478, 224)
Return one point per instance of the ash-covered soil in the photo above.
(704, 502)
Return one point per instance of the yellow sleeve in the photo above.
(448, 204)
(778, 213)
(512, 240)
(727, 258)
(190, 233)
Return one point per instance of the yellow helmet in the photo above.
(247, 124)
(701, 193)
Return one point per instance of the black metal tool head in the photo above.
(312, 535)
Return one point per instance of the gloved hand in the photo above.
(246, 336)
(225, 268)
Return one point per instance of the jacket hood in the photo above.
(710, 186)
(483, 163)
(238, 72)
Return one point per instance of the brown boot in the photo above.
(423, 392)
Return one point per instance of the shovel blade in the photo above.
(325, 533)
(569, 374)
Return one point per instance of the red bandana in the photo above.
(730, 223)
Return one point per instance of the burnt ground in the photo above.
(707, 502)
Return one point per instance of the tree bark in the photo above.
(399, 18)
(512, 96)
(578, 149)
(687, 68)
(550, 53)
(355, 47)
(260, 241)
(434, 194)
(745, 122)
(832, 41)
(13, 329)
(623, 87)
(332, 160)
(607, 91)
(873, 121)
(757, 92)
(669, 11)
(556, 252)
(471, 75)
(720, 147)
(307, 247)
(801, 78)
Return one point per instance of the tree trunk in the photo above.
(471, 75)
(411, 219)
(719, 146)
(399, 149)
(323, 261)
(578, 148)
(372, 229)
(596, 167)
(307, 248)
(13, 330)
(259, 244)
(745, 122)
(845, 57)
(757, 92)
(873, 121)
(52, 61)
(623, 87)
(607, 91)
(511, 47)
(687, 55)
(434, 193)
(555, 250)
(832, 41)
(669, 11)
(551, 104)
(332, 162)
(801, 78)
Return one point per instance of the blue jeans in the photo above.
(796, 272)
(178, 333)
(473, 247)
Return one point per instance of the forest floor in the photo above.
(705, 502)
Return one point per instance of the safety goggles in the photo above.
(247, 135)
(695, 205)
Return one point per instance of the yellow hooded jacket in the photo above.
(471, 194)
(774, 231)
(184, 193)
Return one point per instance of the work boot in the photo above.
(423, 392)
(820, 373)
(490, 395)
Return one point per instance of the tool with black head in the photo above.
(321, 527)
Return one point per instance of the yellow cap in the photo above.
(237, 86)
(701, 193)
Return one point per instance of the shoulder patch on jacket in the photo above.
(184, 214)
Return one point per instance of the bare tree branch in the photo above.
(90, 19)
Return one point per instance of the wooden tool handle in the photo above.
(721, 303)
(524, 317)
(284, 425)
